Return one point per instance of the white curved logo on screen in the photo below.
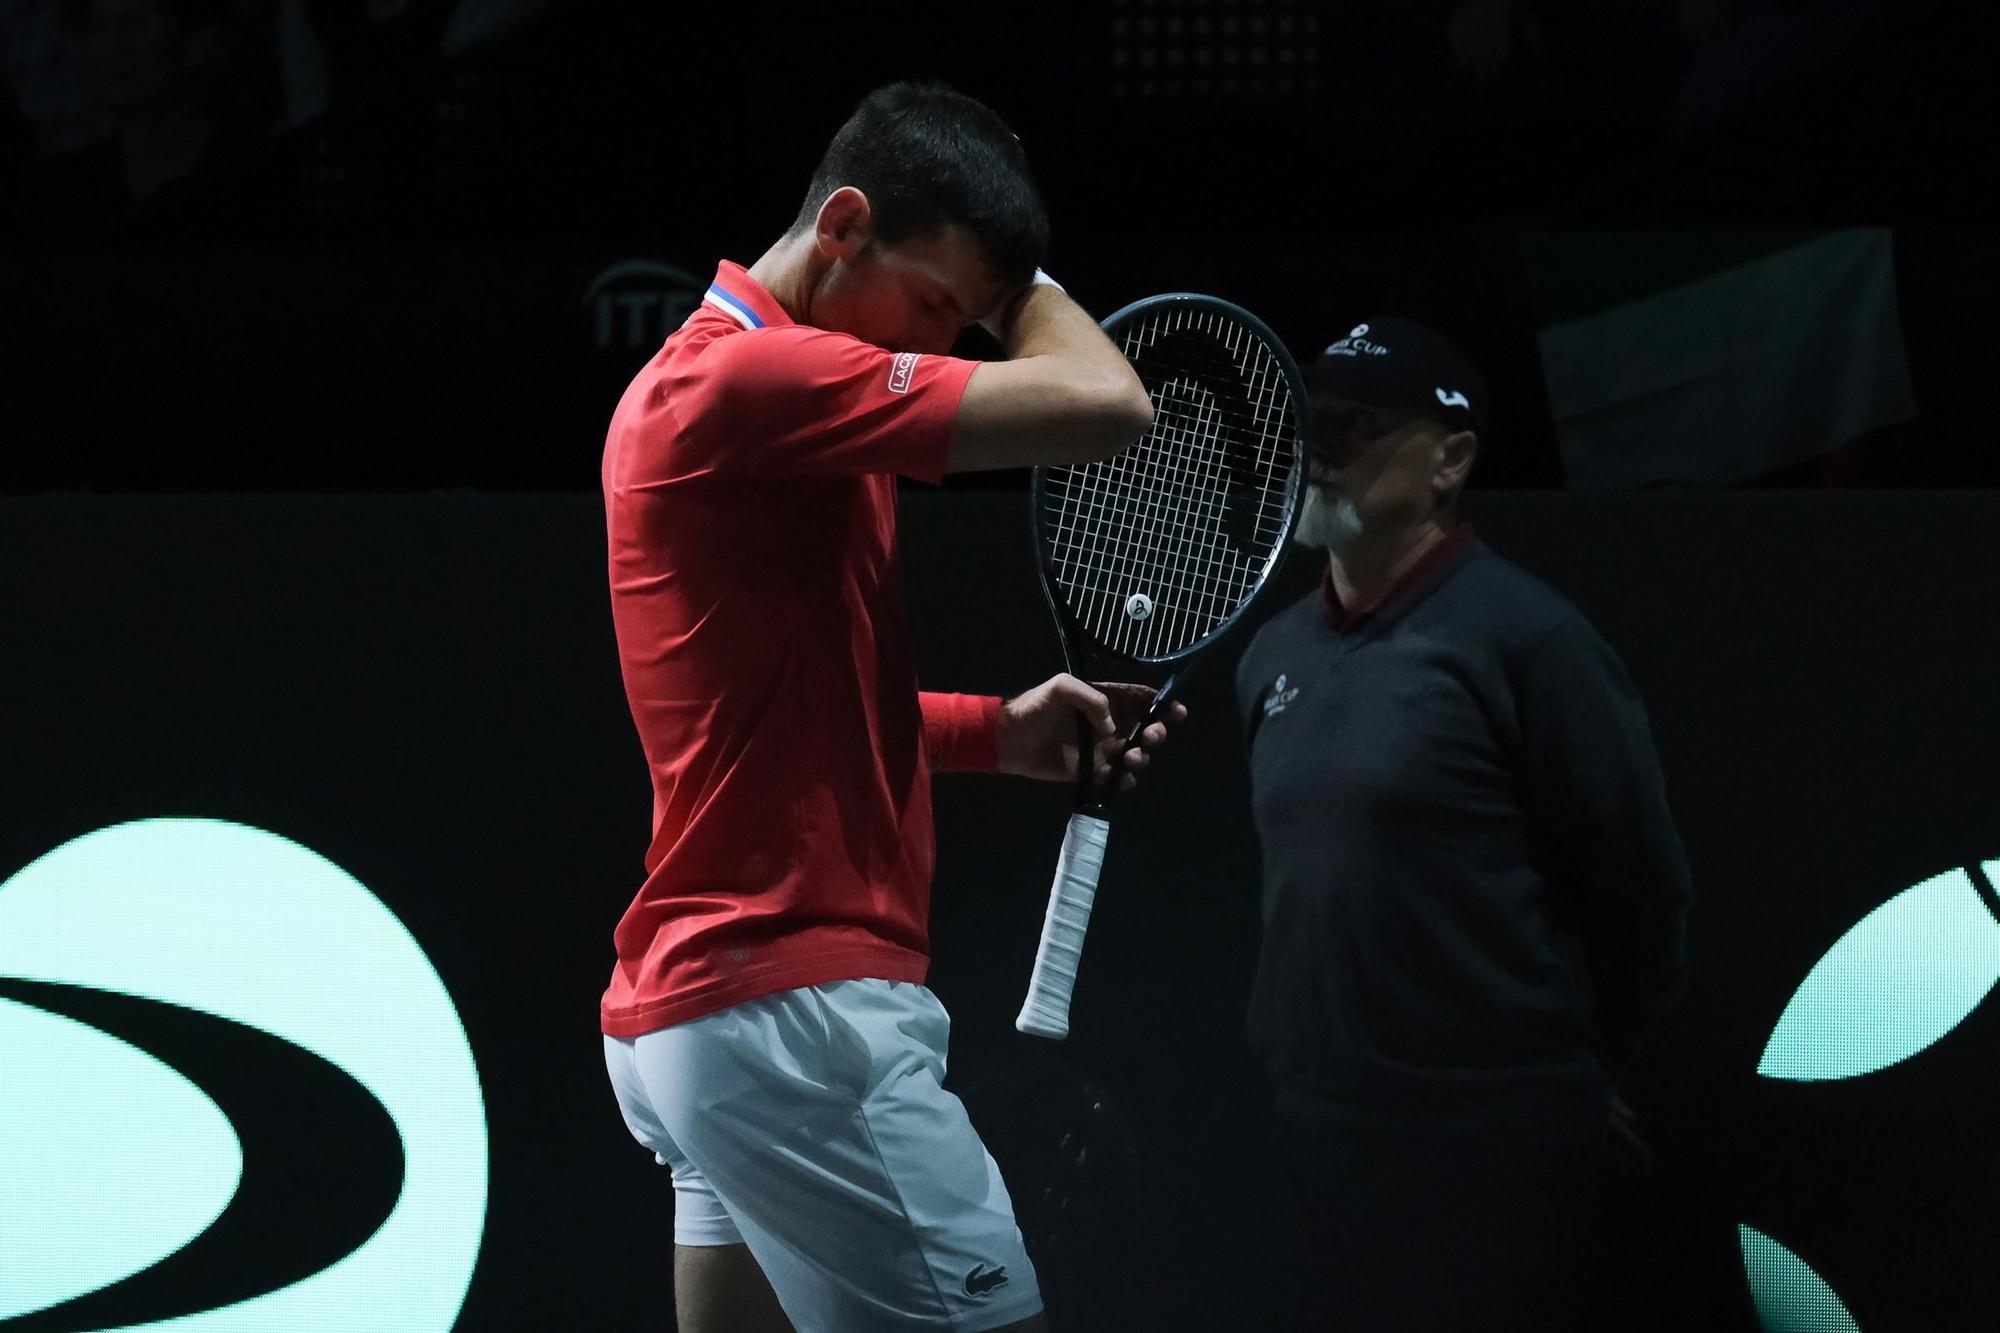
(1898, 982)
(1895, 984)
(115, 1161)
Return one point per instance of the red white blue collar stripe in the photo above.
(732, 305)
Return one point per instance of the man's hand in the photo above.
(1038, 737)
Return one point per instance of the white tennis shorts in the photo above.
(812, 1126)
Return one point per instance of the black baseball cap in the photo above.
(1400, 363)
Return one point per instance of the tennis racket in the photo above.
(1150, 558)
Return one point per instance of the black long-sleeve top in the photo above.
(1474, 897)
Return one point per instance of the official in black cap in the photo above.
(1398, 416)
(1473, 892)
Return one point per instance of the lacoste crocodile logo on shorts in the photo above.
(983, 1281)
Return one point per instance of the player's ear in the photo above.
(1452, 460)
(845, 224)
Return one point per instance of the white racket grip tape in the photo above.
(1046, 1014)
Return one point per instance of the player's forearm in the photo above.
(1065, 395)
(1046, 322)
(1049, 325)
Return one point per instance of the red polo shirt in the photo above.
(750, 503)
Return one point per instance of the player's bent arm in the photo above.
(1040, 411)
(1067, 396)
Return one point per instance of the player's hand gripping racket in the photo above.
(1151, 557)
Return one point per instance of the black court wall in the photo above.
(422, 692)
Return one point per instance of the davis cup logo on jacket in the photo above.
(236, 1095)
(1280, 697)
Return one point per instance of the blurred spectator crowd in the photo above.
(220, 120)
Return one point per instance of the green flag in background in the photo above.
(1728, 375)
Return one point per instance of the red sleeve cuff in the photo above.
(961, 732)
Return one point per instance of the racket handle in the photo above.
(1046, 1014)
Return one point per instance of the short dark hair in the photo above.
(926, 157)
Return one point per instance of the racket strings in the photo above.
(1163, 543)
(1170, 513)
(1154, 549)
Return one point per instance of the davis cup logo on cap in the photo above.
(1356, 344)
(205, 1128)
(1398, 363)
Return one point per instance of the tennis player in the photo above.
(766, 1029)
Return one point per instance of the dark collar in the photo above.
(1408, 587)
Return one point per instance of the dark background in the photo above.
(388, 293)
(424, 690)
(389, 320)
